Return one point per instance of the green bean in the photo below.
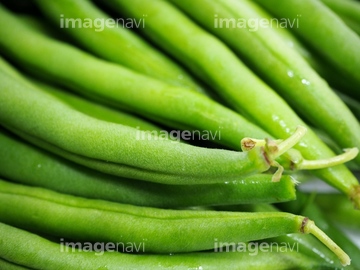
(294, 79)
(55, 214)
(39, 253)
(210, 59)
(96, 144)
(324, 31)
(43, 169)
(116, 44)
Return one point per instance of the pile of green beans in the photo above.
(202, 113)
(99, 165)
(308, 89)
(215, 63)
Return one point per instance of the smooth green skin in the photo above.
(29, 165)
(113, 148)
(353, 104)
(340, 212)
(121, 87)
(39, 253)
(266, 50)
(101, 111)
(97, 110)
(117, 44)
(306, 206)
(324, 31)
(209, 58)
(354, 25)
(345, 8)
(160, 230)
(307, 244)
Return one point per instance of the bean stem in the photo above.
(348, 155)
(280, 147)
(311, 228)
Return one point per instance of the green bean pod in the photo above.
(294, 78)
(29, 165)
(55, 214)
(324, 31)
(36, 252)
(117, 44)
(210, 59)
(114, 148)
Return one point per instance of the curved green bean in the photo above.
(27, 164)
(55, 214)
(36, 252)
